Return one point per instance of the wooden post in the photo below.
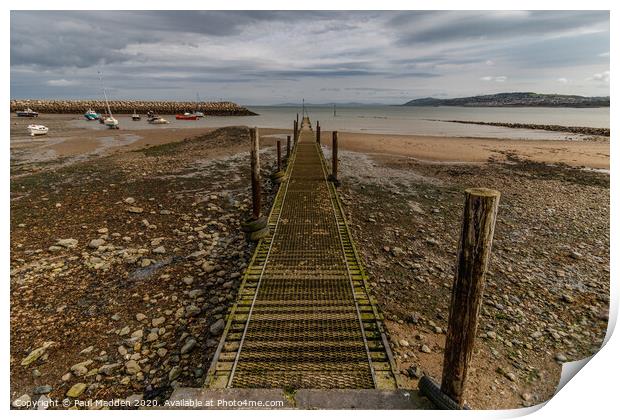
(473, 257)
(297, 119)
(335, 157)
(295, 129)
(279, 156)
(254, 157)
(318, 132)
(288, 147)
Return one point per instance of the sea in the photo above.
(404, 120)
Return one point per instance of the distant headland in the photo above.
(124, 107)
(517, 99)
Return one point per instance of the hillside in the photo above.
(517, 99)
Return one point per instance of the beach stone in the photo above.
(42, 389)
(425, 349)
(76, 390)
(130, 200)
(159, 250)
(192, 310)
(21, 401)
(156, 322)
(140, 317)
(217, 327)
(96, 243)
(188, 346)
(35, 354)
(67, 243)
(133, 209)
(560, 357)
(174, 373)
(132, 367)
(109, 369)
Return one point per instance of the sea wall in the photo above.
(127, 107)
(590, 131)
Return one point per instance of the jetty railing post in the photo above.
(255, 166)
(318, 132)
(334, 177)
(295, 129)
(278, 143)
(288, 147)
(472, 260)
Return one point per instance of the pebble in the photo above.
(188, 346)
(42, 389)
(217, 327)
(133, 209)
(130, 200)
(76, 390)
(96, 243)
(192, 310)
(22, 401)
(132, 367)
(174, 373)
(425, 349)
(140, 317)
(156, 322)
(67, 243)
(560, 357)
(159, 250)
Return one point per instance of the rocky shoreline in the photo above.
(589, 131)
(128, 107)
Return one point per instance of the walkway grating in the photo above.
(304, 317)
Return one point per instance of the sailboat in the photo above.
(109, 121)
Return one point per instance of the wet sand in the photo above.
(70, 142)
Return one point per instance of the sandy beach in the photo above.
(68, 143)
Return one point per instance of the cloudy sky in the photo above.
(276, 57)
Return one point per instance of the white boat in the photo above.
(158, 120)
(37, 130)
(109, 121)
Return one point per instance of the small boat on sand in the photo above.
(135, 117)
(37, 130)
(91, 115)
(187, 116)
(199, 114)
(27, 113)
(109, 121)
(158, 120)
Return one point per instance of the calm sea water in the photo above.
(405, 120)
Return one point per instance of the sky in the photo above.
(272, 57)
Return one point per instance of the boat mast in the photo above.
(334, 110)
(105, 95)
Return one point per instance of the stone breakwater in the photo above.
(590, 131)
(128, 107)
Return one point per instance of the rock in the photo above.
(511, 376)
(140, 317)
(109, 369)
(76, 390)
(403, 343)
(425, 349)
(156, 322)
(125, 330)
(23, 401)
(44, 402)
(492, 335)
(415, 372)
(87, 350)
(35, 354)
(208, 268)
(526, 396)
(102, 231)
(96, 243)
(66, 376)
(81, 369)
(159, 250)
(133, 209)
(161, 352)
(42, 389)
(217, 327)
(130, 200)
(192, 310)
(397, 252)
(188, 280)
(188, 346)
(67, 243)
(195, 293)
(560, 357)
(567, 298)
(132, 367)
(152, 336)
(174, 373)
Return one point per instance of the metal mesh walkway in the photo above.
(304, 318)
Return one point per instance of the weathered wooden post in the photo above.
(318, 132)
(279, 155)
(295, 129)
(334, 176)
(471, 266)
(288, 147)
(255, 164)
